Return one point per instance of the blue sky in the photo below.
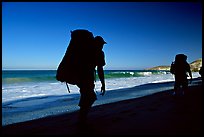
(140, 35)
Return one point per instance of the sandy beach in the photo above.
(157, 114)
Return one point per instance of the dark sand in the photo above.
(157, 114)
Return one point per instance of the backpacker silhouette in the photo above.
(181, 70)
(79, 57)
(179, 65)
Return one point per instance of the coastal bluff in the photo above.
(195, 66)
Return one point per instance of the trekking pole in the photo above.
(67, 87)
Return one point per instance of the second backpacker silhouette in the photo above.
(79, 57)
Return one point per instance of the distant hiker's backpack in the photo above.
(78, 57)
(179, 65)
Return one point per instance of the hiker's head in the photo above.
(99, 41)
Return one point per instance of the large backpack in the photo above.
(79, 56)
(179, 66)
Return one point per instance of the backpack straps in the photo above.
(67, 87)
(95, 75)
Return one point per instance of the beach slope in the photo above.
(157, 114)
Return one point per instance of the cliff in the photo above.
(195, 66)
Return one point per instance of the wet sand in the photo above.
(157, 114)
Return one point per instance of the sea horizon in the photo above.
(56, 69)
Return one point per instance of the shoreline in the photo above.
(63, 104)
(156, 114)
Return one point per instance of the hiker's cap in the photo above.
(99, 38)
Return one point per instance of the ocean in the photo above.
(32, 94)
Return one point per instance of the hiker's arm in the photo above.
(190, 73)
(101, 77)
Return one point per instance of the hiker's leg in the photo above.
(88, 96)
(176, 87)
(185, 86)
(85, 106)
(87, 99)
(83, 113)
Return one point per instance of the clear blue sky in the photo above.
(140, 35)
